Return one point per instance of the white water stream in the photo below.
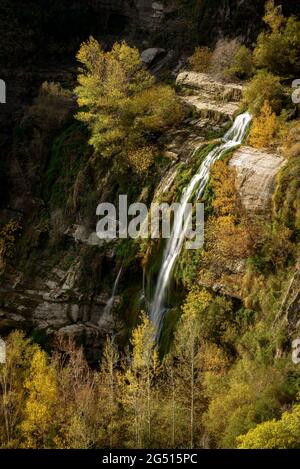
(109, 305)
(233, 138)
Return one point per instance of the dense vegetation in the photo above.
(222, 376)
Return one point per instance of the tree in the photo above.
(108, 394)
(264, 87)
(138, 396)
(38, 426)
(78, 416)
(119, 100)
(141, 159)
(242, 64)
(186, 356)
(274, 434)
(264, 128)
(13, 375)
(230, 236)
(278, 48)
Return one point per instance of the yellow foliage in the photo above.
(200, 60)
(280, 434)
(223, 183)
(196, 302)
(141, 159)
(119, 99)
(8, 237)
(273, 17)
(264, 128)
(143, 343)
(229, 235)
(42, 397)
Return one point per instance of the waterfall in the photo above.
(110, 303)
(233, 138)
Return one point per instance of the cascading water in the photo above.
(233, 138)
(110, 303)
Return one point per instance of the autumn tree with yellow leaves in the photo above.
(265, 127)
(121, 103)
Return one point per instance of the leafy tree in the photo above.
(186, 356)
(39, 425)
(120, 101)
(238, 402)
(278, 49)
(13, 374)
(138, 397)
(264, 128)
(264, 87)
(141, 159)
(108, 390)
(242, 64)
(274, 434)
(78, 417)
(230, 235)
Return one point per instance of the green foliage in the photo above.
(252, 391)
(68, 154)
(264, 87)
(274, 249)
(119, 100)
(242, 64)
(278, 49)
(274, 434)
(286, 198)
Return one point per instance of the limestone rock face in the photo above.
(256, 172)
(208, 84)
(57, 306)
(213, 99)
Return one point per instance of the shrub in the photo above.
(201, 59)
(141, 159)
(242, 65)
(52, 107)
(292, 142)
(287, 195)
(264, 87)
(223, 57)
